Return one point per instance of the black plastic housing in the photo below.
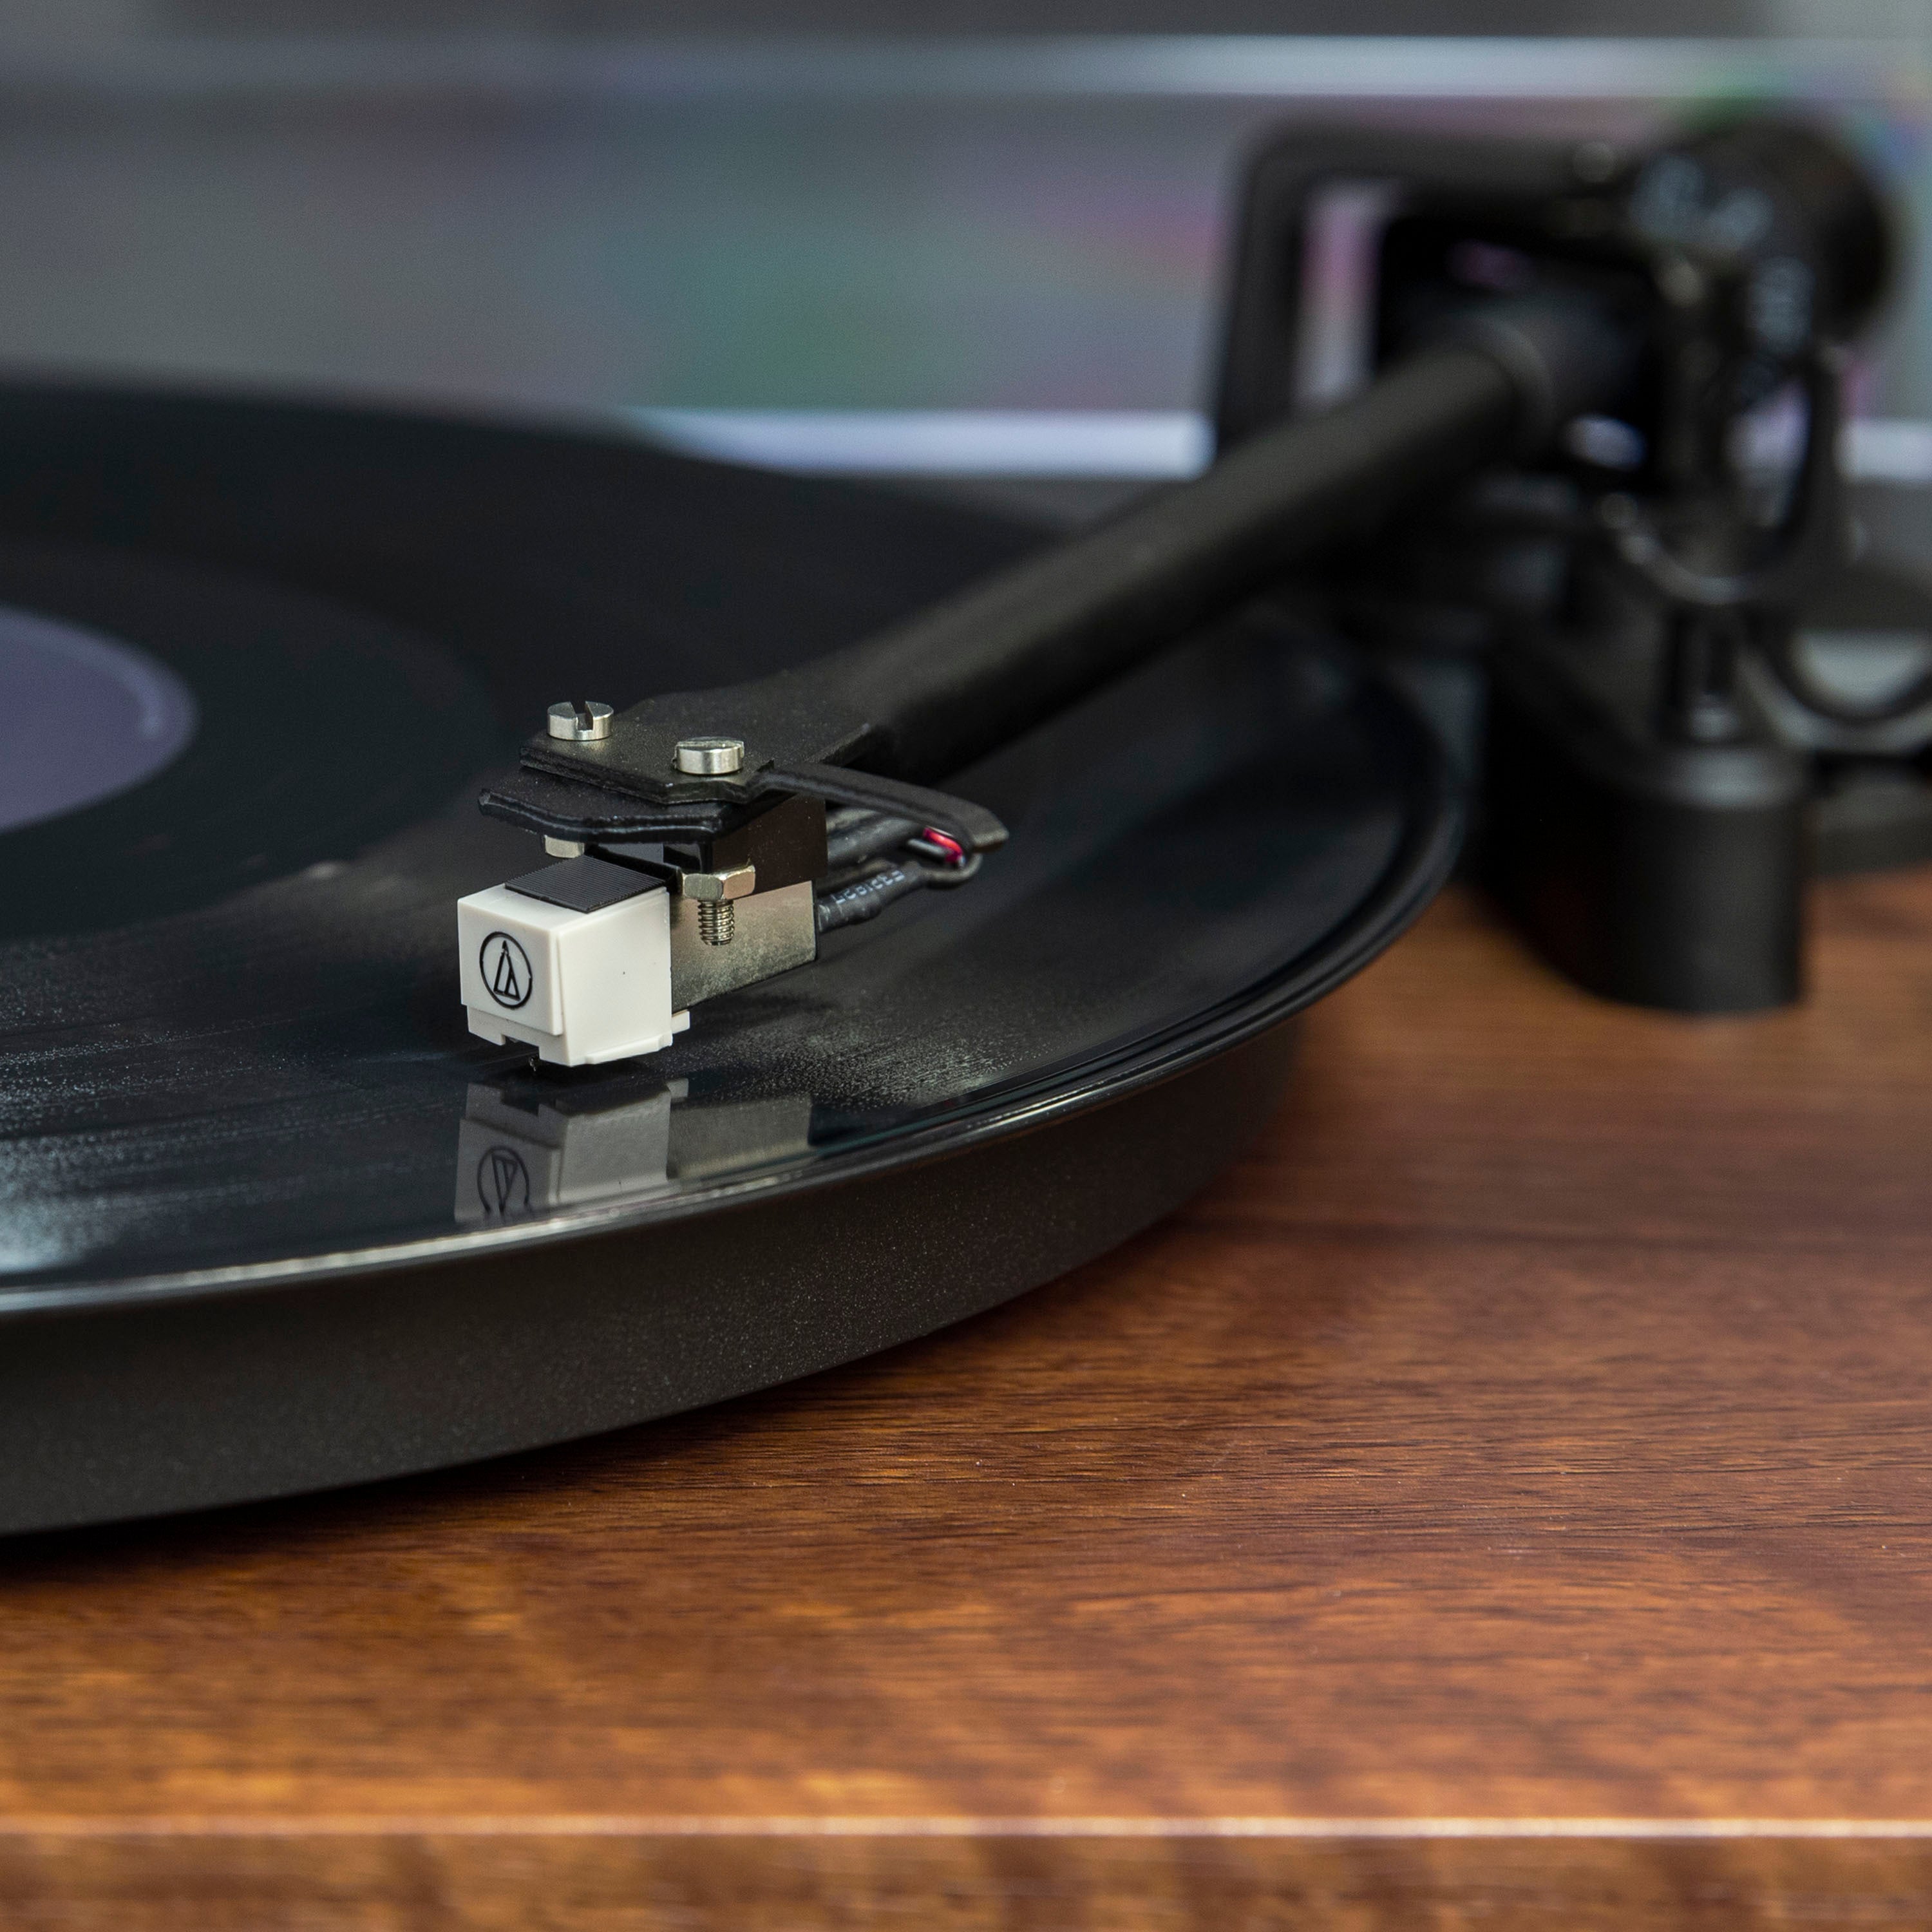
(1660, 873)
(1651, 866)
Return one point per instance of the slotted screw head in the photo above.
(579, 719)
(710, 757)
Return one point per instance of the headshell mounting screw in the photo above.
(710, 757)
(712, 894)
(579, 720)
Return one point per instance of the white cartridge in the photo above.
(574, 960)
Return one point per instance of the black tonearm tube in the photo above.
(921, 700)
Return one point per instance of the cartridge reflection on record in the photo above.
(527, 1145)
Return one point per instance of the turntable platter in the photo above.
(274, 1219)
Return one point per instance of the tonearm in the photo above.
(701, 841)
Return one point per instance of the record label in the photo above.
(86, 716)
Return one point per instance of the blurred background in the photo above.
(999, 219)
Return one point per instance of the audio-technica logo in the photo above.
(506, 970)
(503, 1183)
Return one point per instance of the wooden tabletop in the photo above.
(1504, 1501)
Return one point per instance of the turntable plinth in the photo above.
(1505, 1501)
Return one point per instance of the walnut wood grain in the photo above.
(1504, 1501)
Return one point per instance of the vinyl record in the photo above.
(275, 1221)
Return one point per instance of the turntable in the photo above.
(878, 907)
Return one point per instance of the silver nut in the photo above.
(710, 757)
(563, 848)
(579, 720)
(738, 883)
